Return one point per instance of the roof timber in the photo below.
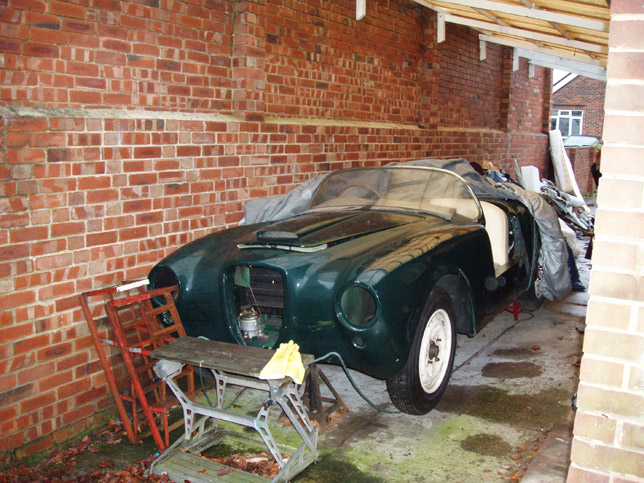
(528, 34)
(528, 12)
(569, 32)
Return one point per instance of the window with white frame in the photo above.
(567, 121)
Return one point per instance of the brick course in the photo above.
(134, 129)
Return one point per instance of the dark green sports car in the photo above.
(384, 266)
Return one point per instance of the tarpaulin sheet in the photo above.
(554, 257)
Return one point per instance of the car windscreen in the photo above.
(426, 190)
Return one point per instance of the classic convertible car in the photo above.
(384, 267)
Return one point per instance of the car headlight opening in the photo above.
(164, 277)
(358, 306)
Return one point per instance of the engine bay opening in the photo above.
(259, 304)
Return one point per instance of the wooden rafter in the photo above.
(574, 30)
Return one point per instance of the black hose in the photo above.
(353, 383)
(203, 387)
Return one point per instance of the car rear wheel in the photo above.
(423, 380)
(532, 299)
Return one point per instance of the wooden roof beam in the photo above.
(527, 34)
(529, 12)
(492, 17)
(557, 58)
(554, 62)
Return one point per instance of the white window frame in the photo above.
(566, 120)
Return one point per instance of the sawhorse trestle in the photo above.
(236, 365)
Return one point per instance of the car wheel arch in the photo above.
(458, 289)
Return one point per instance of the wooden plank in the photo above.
(221, 356)
(183, 466)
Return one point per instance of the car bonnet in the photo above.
(317, 231)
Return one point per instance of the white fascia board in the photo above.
(578, 57)
(535, 13)
(553, 39)
(564, 81)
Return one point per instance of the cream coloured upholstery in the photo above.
(496, 225)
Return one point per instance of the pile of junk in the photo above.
(576, 219)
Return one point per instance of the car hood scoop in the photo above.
(317, 231)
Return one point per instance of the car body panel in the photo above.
(396, 256)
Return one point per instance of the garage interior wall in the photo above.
(129, 128)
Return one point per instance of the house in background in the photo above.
(578, 105)
(578, 109)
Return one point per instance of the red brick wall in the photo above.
(151, 123)
(528, 112)
(587, 95)
(152, 54)
(582, 159)
(321, 62)
(470, 91)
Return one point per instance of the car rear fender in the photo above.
(460, 292)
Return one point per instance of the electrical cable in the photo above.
(237, 396)
(353, 383)
(203, 386)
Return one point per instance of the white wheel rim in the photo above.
(538, 281)
(435, 351)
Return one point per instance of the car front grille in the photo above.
(256, 304)
(266, 291)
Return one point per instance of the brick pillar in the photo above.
(547, 100)
(609, 426)
(507, 88)
(428, 117)
(249, 60)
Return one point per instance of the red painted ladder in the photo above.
(134, 326)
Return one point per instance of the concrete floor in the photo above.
(506, 415)
(512, 386)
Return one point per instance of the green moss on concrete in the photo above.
(334, 469)
(486, 444)
(542, 410)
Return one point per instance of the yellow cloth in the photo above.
(287, 361)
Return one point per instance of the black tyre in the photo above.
(532, 299)
(529, 301)
(423, 380)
